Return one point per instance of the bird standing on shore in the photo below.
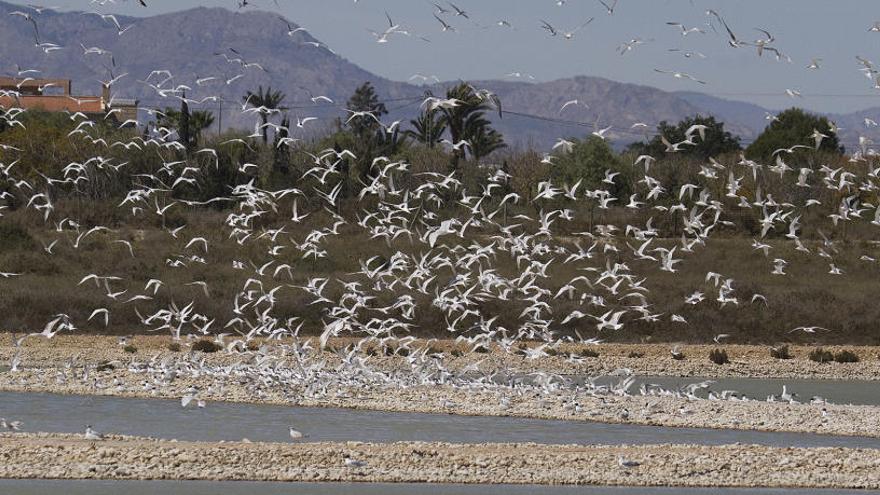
(91, 434)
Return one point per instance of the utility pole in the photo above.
(220, 118)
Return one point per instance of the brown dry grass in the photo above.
(48, 285)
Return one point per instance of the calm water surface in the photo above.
(228, 421)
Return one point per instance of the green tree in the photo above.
(794, 127)
(268, 102)
(365, 99)
(466, 120)
(368, 138)
(587, 161)
(715, 141)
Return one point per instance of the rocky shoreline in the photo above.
(846, 420)
(61, 376)
(60, 456)
(94, 365)
(642, 359)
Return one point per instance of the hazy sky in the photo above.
(833, 31)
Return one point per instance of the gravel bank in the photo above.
(655, 360)
(126, 458)
(59, 359)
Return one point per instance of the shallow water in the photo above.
(230, 421)
(860, 392)
(40, 487)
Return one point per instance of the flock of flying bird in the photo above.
(448, 244)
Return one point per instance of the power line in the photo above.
(409, 101)
(805, 95)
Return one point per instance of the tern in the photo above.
(91, 434)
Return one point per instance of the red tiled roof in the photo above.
(85, 104)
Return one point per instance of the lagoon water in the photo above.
(230, 421)
(860, 392)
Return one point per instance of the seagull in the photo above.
(812, 329)
(548, 27)
(676, 354)
(444, 25)
(91, 434)
(733, 41)
(686, 31)
(568, 104)
(818, 137)
(458, 11)
(609, 8)
(10, 425)
(570, 34)
(101, 311)
(679, 75)
(351, 462)
(687, 53)
(295, 434)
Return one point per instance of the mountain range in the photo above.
(202, 43)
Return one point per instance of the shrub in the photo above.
(206, 346)
(588, 353)
(846, 357)
(718, 356)
(635, 355)
(15, 236)
(457, 353)
(174, 347)
(551, 352)
(820, 355)
(780, 352)
(130, 349)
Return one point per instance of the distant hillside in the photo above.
(754, 117)
(186, 44)
(600, 102)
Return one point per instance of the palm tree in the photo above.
(200, 120)
(189, 125)
(466, 120)
(427, 128)
(483, 139)
(268, 100)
